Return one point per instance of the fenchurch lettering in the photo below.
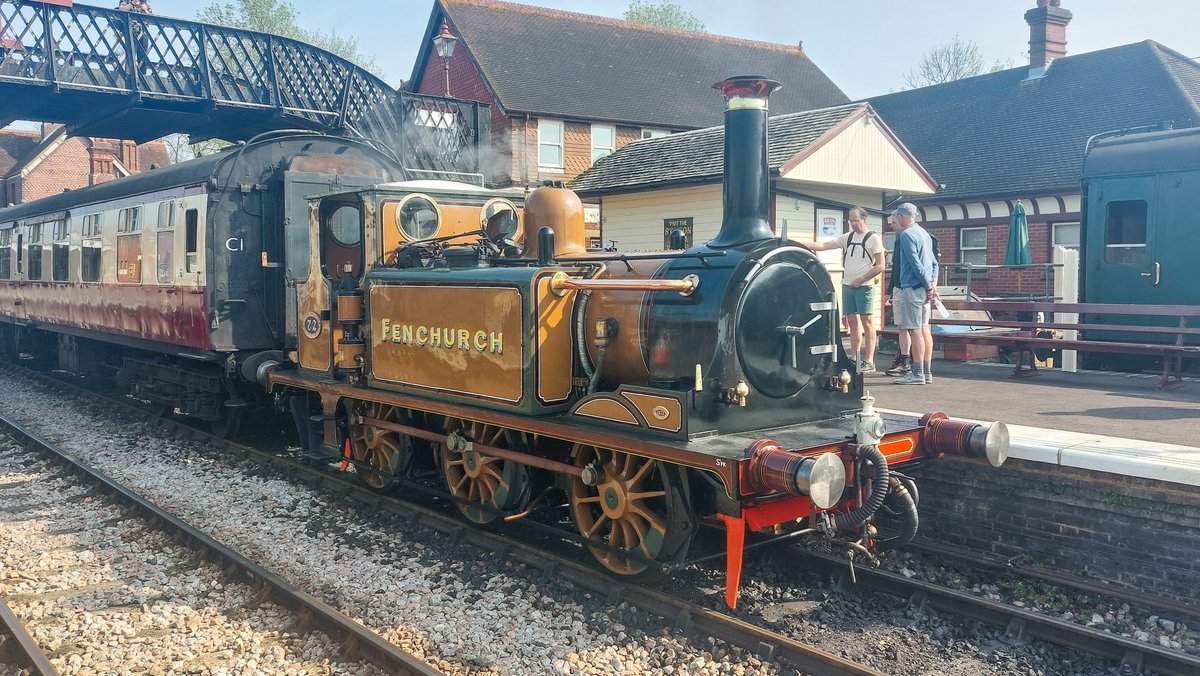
(446, 337)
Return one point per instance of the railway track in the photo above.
(681, 615)
(1135, 657)
(89, 560)
(1019, 624)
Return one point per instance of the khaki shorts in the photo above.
(912, 308)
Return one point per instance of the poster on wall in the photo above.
(683, 225)
(829, 224)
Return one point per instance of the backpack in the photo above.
(850, 244)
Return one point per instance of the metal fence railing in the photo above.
(160, 64)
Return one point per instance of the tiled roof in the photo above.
(1003, 134)
(698, 156)
(562, 64)
(153, 152)
(15, 147)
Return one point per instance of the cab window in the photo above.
(341, 239)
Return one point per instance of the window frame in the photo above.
(560, 144)
(1126, 253)
(652, 133)
(963, 249)
(1078, 235)
(129, 220)
(607, 150)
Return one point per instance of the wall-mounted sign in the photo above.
(683, 225)
(829, 224)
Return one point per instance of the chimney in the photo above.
(746, 190)
(1047, 32)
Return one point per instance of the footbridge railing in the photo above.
(110, 73)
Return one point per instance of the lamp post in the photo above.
(444, 44)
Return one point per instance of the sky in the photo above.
(865, 46)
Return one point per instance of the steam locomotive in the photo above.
(646, 394)
(423, 328)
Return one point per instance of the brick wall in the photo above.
(467, 83)
(1136, 532)
(1000, 282)
(66, 167)
(79, 162)
(512, 138)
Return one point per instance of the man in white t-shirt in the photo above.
(862, 263)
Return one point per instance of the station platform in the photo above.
(1106, 422)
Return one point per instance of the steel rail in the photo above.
(19, 646)
(1018, 622)
(1069, 581)
(355, 637)
(685, 616)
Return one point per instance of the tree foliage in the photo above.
(952, 61)
(664, 13)
(181, 149)
(279, 17)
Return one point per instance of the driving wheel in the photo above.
(382, 454)
(486, 486)
(635, 507)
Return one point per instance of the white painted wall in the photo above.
(862, 155)
(635, 220)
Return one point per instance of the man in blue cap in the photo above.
(917, 278)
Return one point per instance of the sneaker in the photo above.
(910, 379)
(866, 367)
(928, 378)
(899, 368)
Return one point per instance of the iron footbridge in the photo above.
(109, 73)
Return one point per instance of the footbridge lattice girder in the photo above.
(105, 72)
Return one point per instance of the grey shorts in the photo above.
(912, 308)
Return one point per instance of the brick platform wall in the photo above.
(1139, 533)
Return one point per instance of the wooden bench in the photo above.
(1022, 335)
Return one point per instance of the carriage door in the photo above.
(1173, 259)
(1120, 241)
(335, 268)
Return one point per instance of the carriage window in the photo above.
(164, 266)
(90, 262)
(60, 258)
(417, 218)
(191, 237)
(1125, 233)
(35, 261)
(93, 225)
(6, 254)
(61, 230)
(129, 220)
(166, 215)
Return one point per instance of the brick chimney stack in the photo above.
(1047, 32)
